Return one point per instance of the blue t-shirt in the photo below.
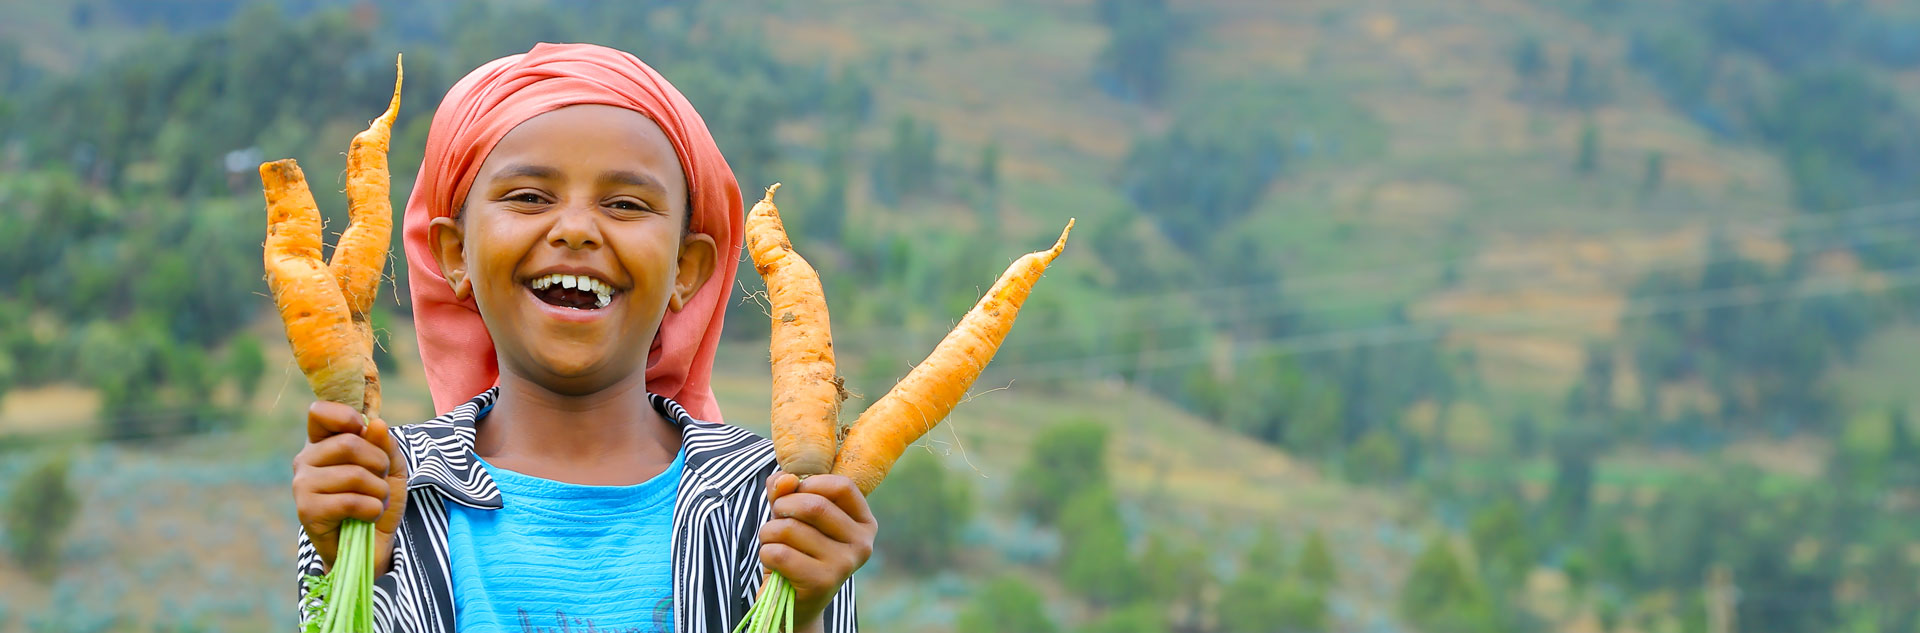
(562, 557)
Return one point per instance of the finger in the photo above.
(340, 479)
(843, 493)
(816, 511)
(781, 484)
(330, 509)
(792, 563)
(346, 450)
(377, 433)
(326, 419)
(805, 538)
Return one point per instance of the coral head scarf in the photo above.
(454, 345)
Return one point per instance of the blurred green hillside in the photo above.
(1381, 315)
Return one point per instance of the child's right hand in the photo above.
(348, 470)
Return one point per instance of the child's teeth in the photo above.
(603, 292)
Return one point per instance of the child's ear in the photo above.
(697, 257)
(449, 251)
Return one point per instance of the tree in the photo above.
(1530, 65)
(986, 179)
(988, 174)
(1654, 175)
(1006, 604)
(1614, 558)
(1571, 494)
(1094, 560)
(1592, 396)
(1144, 617)
(849, 98)
(1499, 536)
(923, 513)
(1249, 603)
(1253, 602)
(1267, 553)
(1589, 157)
(246, 365)
(908, 166)
(1316, 565)
(1846, 136)
(1207, 171)
(1136, 63)
(1068, 458)
(828, 219)
(1863, 449)
(1175, 574)
(1276, 401)
(40, 508)
(1439, 594)
(1903, 451)
(1375, 458)
(7, 375)
(1300, 607)
(1529, 59)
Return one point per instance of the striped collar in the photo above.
(440, 451)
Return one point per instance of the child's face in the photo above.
(596, 195)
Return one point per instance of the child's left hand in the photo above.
(820, 533)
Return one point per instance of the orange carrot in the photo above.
(932, 388)
(361, 254)
(325, 309)
(807, 391)
(320, 327)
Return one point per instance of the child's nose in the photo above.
(576, 226)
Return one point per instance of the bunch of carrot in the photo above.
(325, 306)
(807, 391)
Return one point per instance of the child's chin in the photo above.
(575, 369)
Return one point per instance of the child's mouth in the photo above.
(578, 292)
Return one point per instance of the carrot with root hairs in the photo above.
(319, 324)
(325, 306)
(932, 388)
(807, 388)
(361, 253)
(807, 391)
(335, 356)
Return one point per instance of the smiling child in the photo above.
(570, 243)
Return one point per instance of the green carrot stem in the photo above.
(771, 610)
(349, 598)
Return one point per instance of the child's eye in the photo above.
(529, 198)
(626, 205)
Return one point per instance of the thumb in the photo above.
(377, 433)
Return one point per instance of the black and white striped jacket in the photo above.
(716, 524)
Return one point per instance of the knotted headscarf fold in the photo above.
(454, 345)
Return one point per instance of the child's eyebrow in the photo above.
(527, 171)
(633, 179)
